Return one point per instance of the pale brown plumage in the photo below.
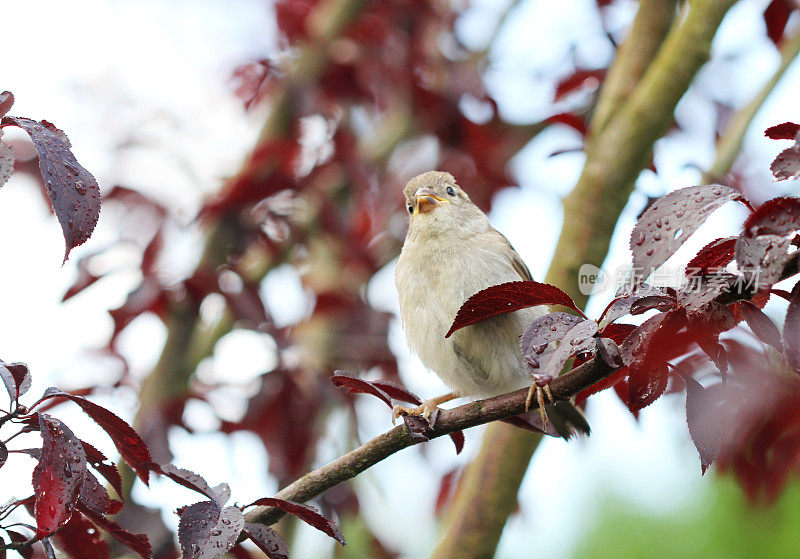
(450, 253)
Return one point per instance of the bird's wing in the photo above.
(516, 260)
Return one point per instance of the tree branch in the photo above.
(449, 421)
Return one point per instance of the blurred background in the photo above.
(252, 156)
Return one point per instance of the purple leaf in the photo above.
(6, 101)
(548, 360)
(396, 391)
(672, 219)
(129, 444)
(195, 527)
(16, 377)
(761, 325)
(646, 384)
(73, 191)
(791, 329)
(95, 497)
(622, 305)
(650, 302)
(58, 477)
(267, 540)
(506, 298)
(545, 329)
(8, 156)
(702, 422)
(762, 259)
(306, 513)
(195, 482)
(786, 164)
(103, 466)
(609, 352)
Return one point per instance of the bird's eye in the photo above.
(410, 209)
(450, 191)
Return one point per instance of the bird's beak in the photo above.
(428, 200)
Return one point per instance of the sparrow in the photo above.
(450, 253)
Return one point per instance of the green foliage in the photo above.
(720, 525)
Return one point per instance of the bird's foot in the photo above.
(541, 387)
(426, 409)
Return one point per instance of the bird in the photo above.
(451, 252)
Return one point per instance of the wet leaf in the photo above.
(136, 542)
(267, 540)
(713, 257)
(16, 377)
(195, 482)
(129, 444)
(672, 219)
(73, 191)
(58, 477)
(508, 297)
(80, 538)
(306, 513)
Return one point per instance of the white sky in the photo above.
(111, 71)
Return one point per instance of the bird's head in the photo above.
(437, 205)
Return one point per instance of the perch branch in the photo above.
(448, 421)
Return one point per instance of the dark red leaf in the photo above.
(136, 542)
(419, 428)
(458, 440)
(396, 391)
(386, 390)
(784, 131)
(776, 16)
(306, 513)
(16, 377)
(508, 297)
(779, 216)
(16, 537)
(6, 101)
(355, 384)
(761, 325)
(672, 219)
(714, 256)
(267, 540)
(791, 329)
(58, 477)
(80, 538)
(130, 446)
(73, 191)
(646, 384)
(85, 279)
(103, 466)
(701, 418)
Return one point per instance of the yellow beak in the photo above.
(427, 200)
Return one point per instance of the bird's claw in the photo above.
(425, 410)
(541, 387)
